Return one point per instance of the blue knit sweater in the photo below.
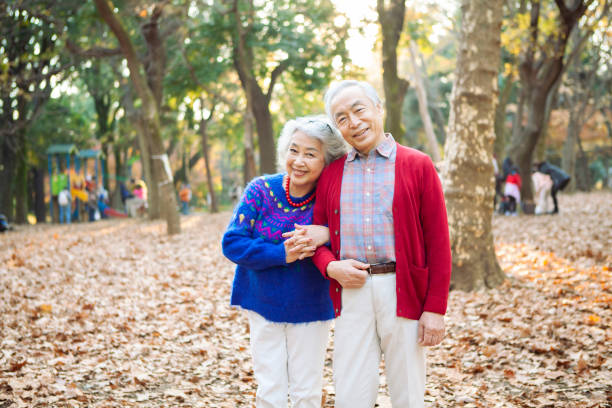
(264, 282)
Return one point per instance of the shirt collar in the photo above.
(384, 149)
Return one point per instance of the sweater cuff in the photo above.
(279, 255)
(435, 304)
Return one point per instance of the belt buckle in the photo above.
(374, 264)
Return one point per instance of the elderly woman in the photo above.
(285, 296)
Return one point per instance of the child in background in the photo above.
(512, 192)
(64, 200)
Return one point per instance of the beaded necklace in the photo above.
(293, 203)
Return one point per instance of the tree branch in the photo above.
(276, 72)
(94, 52)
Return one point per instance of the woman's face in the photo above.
(305, 161)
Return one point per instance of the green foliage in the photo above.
(68, 119)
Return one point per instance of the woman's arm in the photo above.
(239, 243)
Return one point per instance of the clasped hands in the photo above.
(303, 241)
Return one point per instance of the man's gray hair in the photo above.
(317, 127)
(335, 88)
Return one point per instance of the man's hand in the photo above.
(431, 329)
(349, 273)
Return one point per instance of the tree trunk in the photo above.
(551, 103)
(568, 160)
(423, 105)
(257, 101)
(21, 189)
(434, 100)
(120, 174)
(539, 72)
(468, 169)
(7, 178)
(209, 181)
(523, 147)
(391, 20)
(501, 134)
(162, 176)
(265, 133)
(250, 170)
(583, 175)
(40, 209)
(104, 167)
(154, 209)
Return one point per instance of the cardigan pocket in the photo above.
(419, 276)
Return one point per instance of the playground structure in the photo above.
(61, 158)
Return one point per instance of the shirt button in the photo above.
(336, 211)
(367, 194)
(337, 290)
(367, 220)
(336, 232)
(369, 247)
(336, 310)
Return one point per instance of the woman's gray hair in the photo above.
(335, 88)
(317, 127)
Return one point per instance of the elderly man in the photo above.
(389, 262)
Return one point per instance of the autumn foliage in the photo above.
(118, 314)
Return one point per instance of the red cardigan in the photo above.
(422, 248)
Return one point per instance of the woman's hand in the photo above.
(310, 235)
(298, 246)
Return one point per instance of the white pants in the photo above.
(367, 327)
(288, 359)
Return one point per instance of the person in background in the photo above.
(185, 198)
(286, 298)
(512, 192)
(64, 200)
(542, 184)
(104, 208)
(125, 194)
(560, 180)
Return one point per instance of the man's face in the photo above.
(358, 119)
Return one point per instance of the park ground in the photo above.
(118, 314)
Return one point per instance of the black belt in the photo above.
(378, 268)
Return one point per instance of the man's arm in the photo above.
(436, 240)
(323, 255)
(437, 251)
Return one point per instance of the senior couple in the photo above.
(355, 234)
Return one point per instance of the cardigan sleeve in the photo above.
(323, 254)
(436, 239)
(240, 245)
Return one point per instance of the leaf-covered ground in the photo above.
(117, 314)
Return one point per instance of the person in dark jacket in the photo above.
(559, 177)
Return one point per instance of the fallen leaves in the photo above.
(117, 314)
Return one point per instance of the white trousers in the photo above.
(367, 327)
(288, 359)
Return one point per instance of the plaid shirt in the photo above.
(366, 218)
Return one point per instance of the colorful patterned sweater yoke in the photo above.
(264, 282)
